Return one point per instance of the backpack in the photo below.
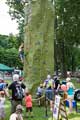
(50, 84)
(19, 92)
(2, 86)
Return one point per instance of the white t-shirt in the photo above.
(14, 116)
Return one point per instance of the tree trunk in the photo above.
(39, 42)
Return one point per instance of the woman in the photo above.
(70, 93)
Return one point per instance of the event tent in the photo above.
(4, 68)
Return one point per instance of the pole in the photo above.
(46, 112)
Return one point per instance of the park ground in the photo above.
(40, 112)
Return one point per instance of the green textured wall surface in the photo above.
(39, 42)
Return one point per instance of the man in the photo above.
(18, 114)
(57, 84)
(16, 89)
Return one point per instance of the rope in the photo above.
(38, 98)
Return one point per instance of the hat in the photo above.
(19, 107)
(68, 79)
(48, 76)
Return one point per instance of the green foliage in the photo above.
(9, 51)
(67, 17)
(16, 11)
(8, 42)
(10, 57)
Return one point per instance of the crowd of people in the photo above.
(53, 86)
(19, 93)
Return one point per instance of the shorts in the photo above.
(28, 109)
(49, 94)
(70, 97)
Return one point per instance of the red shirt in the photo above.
(28, 101)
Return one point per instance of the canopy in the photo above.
(6, 68)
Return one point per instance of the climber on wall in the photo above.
(21, 52)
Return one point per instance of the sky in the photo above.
(7, 25)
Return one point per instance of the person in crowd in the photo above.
(17, 92)
(2, 105)
(70, 93)
(3, 86)
(39, 90)
(39, 93)
(28, 103)
(17, 115)
(56, 84)
(21, 52)
(49, 90)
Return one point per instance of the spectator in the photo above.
(49, 92)
(17, 92)
(28, 103)
(56, 84)
(39, 93)
(46, 81)
(39, 90)
(3, 87)
(18, 114)
(70, 93)
(2, 105)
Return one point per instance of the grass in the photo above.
(38, 112)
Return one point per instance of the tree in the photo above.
(39, 39)
(67, 31)
(16, 11)
(9, 51)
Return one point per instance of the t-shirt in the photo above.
(12, 87)
(14, 116)
(57, 82)
(28, 101)
(2, 86)
(40, 90)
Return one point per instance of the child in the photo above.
(28, 103)
(18, 114)
(2, 102)
(39, 90)
(39, 93)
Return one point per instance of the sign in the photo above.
(59, 109)
(56, 107)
